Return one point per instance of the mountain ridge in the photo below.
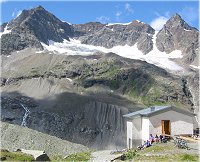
(37, 25)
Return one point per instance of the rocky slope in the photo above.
(14, 137)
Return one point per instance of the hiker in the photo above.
(164, 140)
(148, 144)
(156, 138)
(142, 146)
(160, 138)
(151, 138)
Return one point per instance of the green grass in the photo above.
(162, 153)
(130, 154)
(167, 158)
(114, 84)
(158, 148)
(82, 156)
(16, 156)
(188, 157)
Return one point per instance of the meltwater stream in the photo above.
(27, 112)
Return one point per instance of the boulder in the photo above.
(37, 154)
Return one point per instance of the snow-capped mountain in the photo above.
(136, 40)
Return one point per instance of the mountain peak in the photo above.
(176, 21)
(177, 16)
(39, 8)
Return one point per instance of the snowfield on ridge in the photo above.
(156, 57)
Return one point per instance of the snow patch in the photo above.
(140, 21)
(6, 31)
(39, 51)
(187, 30)
(110, 24)
(195, 67)
(69, 79)
(72, 47)
(67, 22)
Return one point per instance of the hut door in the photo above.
(166, 127)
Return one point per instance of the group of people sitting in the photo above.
(153, 139)
(157, 139)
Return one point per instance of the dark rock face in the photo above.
(88, 28)
(3, 26)
(94, 124)
(178, 35)
(15, 42)
(32, 27)
(112, 35)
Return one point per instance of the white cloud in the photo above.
(117, 15)
(158, 22)
(128, 8)
(13, 14)
(103, 19)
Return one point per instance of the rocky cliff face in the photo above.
(113, 35)
(178, 35)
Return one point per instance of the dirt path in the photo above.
(103, 156)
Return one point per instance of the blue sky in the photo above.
(152, 12)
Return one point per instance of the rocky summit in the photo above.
(178, 35)
(32, 27)
(76, 81)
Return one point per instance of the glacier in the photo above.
(156, 57)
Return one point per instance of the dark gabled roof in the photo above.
(154, 110)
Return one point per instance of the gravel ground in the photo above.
(15, 137)
(103, 156)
